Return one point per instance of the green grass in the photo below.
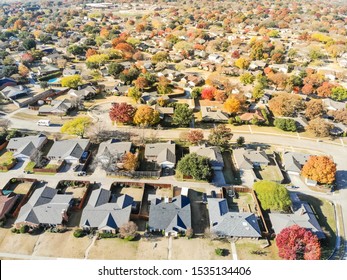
(7, 159)
(271, 173)
(228, 168)
(326, 218)
(30, 167)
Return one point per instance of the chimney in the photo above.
(258, 149)
(64, 215)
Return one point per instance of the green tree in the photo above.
(286, 124)
(29, 44)
(182, 115)
(272, 196)
(240, 141)
(247, 78)
(77, 126)
(160, 57)
(72, 81)
(196, 92)
(76, 50)
(195, 166)
(339, 93)
(258, 91)
(134, 93)
(220, 136)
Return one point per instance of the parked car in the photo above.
(82, 173)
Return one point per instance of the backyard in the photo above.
(242, 202)
(6, 159)
(254, 250)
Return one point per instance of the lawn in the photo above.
(326, 218)
(253, 250)
(228, 168)
(6, 159)
(271, 173)
(30, 167)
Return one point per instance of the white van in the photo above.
(44, 123)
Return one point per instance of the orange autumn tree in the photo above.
(320, 168)
(90, 52)
(232, 105)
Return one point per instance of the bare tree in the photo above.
(5, 124)
(77, 102)
(128, 230)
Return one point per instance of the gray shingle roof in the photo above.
(212, 153)
(246, 158)
(113, 147)
(302, 216)
(233, 224)
(170, 216)
(45, 206)
(294, 161)
(66, 148)
(104, 211)
(160, 151)
(57, 106)
(26, 145)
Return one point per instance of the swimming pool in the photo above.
(54, 80)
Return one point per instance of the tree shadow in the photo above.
(341, 179)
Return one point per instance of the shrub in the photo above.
(219, 252)
(24, 229)
(79, 233)
(107, 235)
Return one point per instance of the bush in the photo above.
(15, 230)
(24, 229)
(2, 223)
(79, 233)
(219, 252)
(286, 124)
(107, 235)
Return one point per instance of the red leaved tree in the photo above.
(195, 136)
(297, 243)
(208, 93)
(90, 52)
(122, 113)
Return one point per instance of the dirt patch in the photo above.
(17, 243)
(164, 192)
(153, 249)
(62, 245)
(252, 250)
(198, 249)
(114, 249)
(135, 192)
(22, 188)
(77, 192)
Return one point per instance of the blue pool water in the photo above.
(54, 80)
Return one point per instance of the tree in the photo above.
(141, 83)
(130, 161)
(339, 93)
(27, 58)
(129, 75)
(307, 89)
(23, 70)
(247, 78)
(240, 141)
(72, 81)
(258, 91)
(195, 166)
(122, 113)
(182, 115)
(208, 93)
(127, 50)
(319, 127)
(76, 50)
(134, 93)
(286, 124)
(272, 196)
(297, 243)
(340, 116)
(320, 168)
(242, 63)
(160, 57)
(325, 90)
(232, 105)
(314, 108)
(286, 104)
(195, 136)
(128, 231)
(220, 136)
(163, 86)
(96, 60)
(90, 52)
(146, 116)
(77, 126)
(44, 85)
(29, 44)
(115, 69)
